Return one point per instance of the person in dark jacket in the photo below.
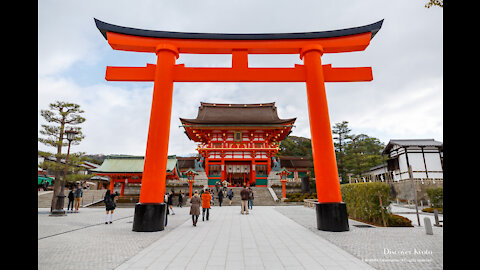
(250, 198)
(230, 195)
(220, 197)
(110, 205)
(180, 199)
(45, 185)
(244, 196)
(70, 200)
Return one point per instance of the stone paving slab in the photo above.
(264, 239)
(385, 248)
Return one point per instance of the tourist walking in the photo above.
(70, 200)
(110, 205)
(165, 199)
(195, 202)
(180, 199)
(217, 185)
(45, 185)
(170, 202)
(225, 185)
(220, 197)
(78, 194)
(250, 198)
(206, 198)
(212, 193)
(244, 196)
(230, 195)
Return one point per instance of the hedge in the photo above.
(436, 196)
(299, 197)
(363, 203)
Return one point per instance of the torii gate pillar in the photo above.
(330, 210)
(150, 211)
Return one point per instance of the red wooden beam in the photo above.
(240, 73)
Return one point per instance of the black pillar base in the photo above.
(149, 217)
(332, 217)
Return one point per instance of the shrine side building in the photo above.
(237, 141)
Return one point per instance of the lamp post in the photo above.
(283, 178)
(58, 211)
(190, 179)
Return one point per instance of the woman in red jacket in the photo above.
(206, 198)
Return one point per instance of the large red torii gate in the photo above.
(150, 211)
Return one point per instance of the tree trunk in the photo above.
(58, 183)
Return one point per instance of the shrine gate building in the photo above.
(237, 141)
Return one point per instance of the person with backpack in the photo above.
(78, 194)
(110, 205)
(230, 195)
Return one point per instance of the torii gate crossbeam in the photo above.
(150, 211)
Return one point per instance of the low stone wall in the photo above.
(403, 189)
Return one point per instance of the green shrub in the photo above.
(398, 221)
(436, 196)
(363, 201)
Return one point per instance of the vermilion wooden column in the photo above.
(151, 210)
(112, 184)
(331, 211)
(326, 175)
(155, 168)
(122, 189)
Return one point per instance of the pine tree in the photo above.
(62, 115)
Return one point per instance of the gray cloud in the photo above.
(403, 101)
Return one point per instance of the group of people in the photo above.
(44, 185)
(74, 197)
(204, 199)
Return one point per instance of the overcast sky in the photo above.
(404, 100)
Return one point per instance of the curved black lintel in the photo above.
(106, 27)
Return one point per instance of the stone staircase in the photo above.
(89, 196)
(261, 197)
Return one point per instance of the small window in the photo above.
(392, 164)
(258, 145)
(237, 136)
(214, 170)
(261, 170)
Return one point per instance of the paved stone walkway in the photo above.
(264, 239)
(83, 240)
(270, 237)
(385, 248)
